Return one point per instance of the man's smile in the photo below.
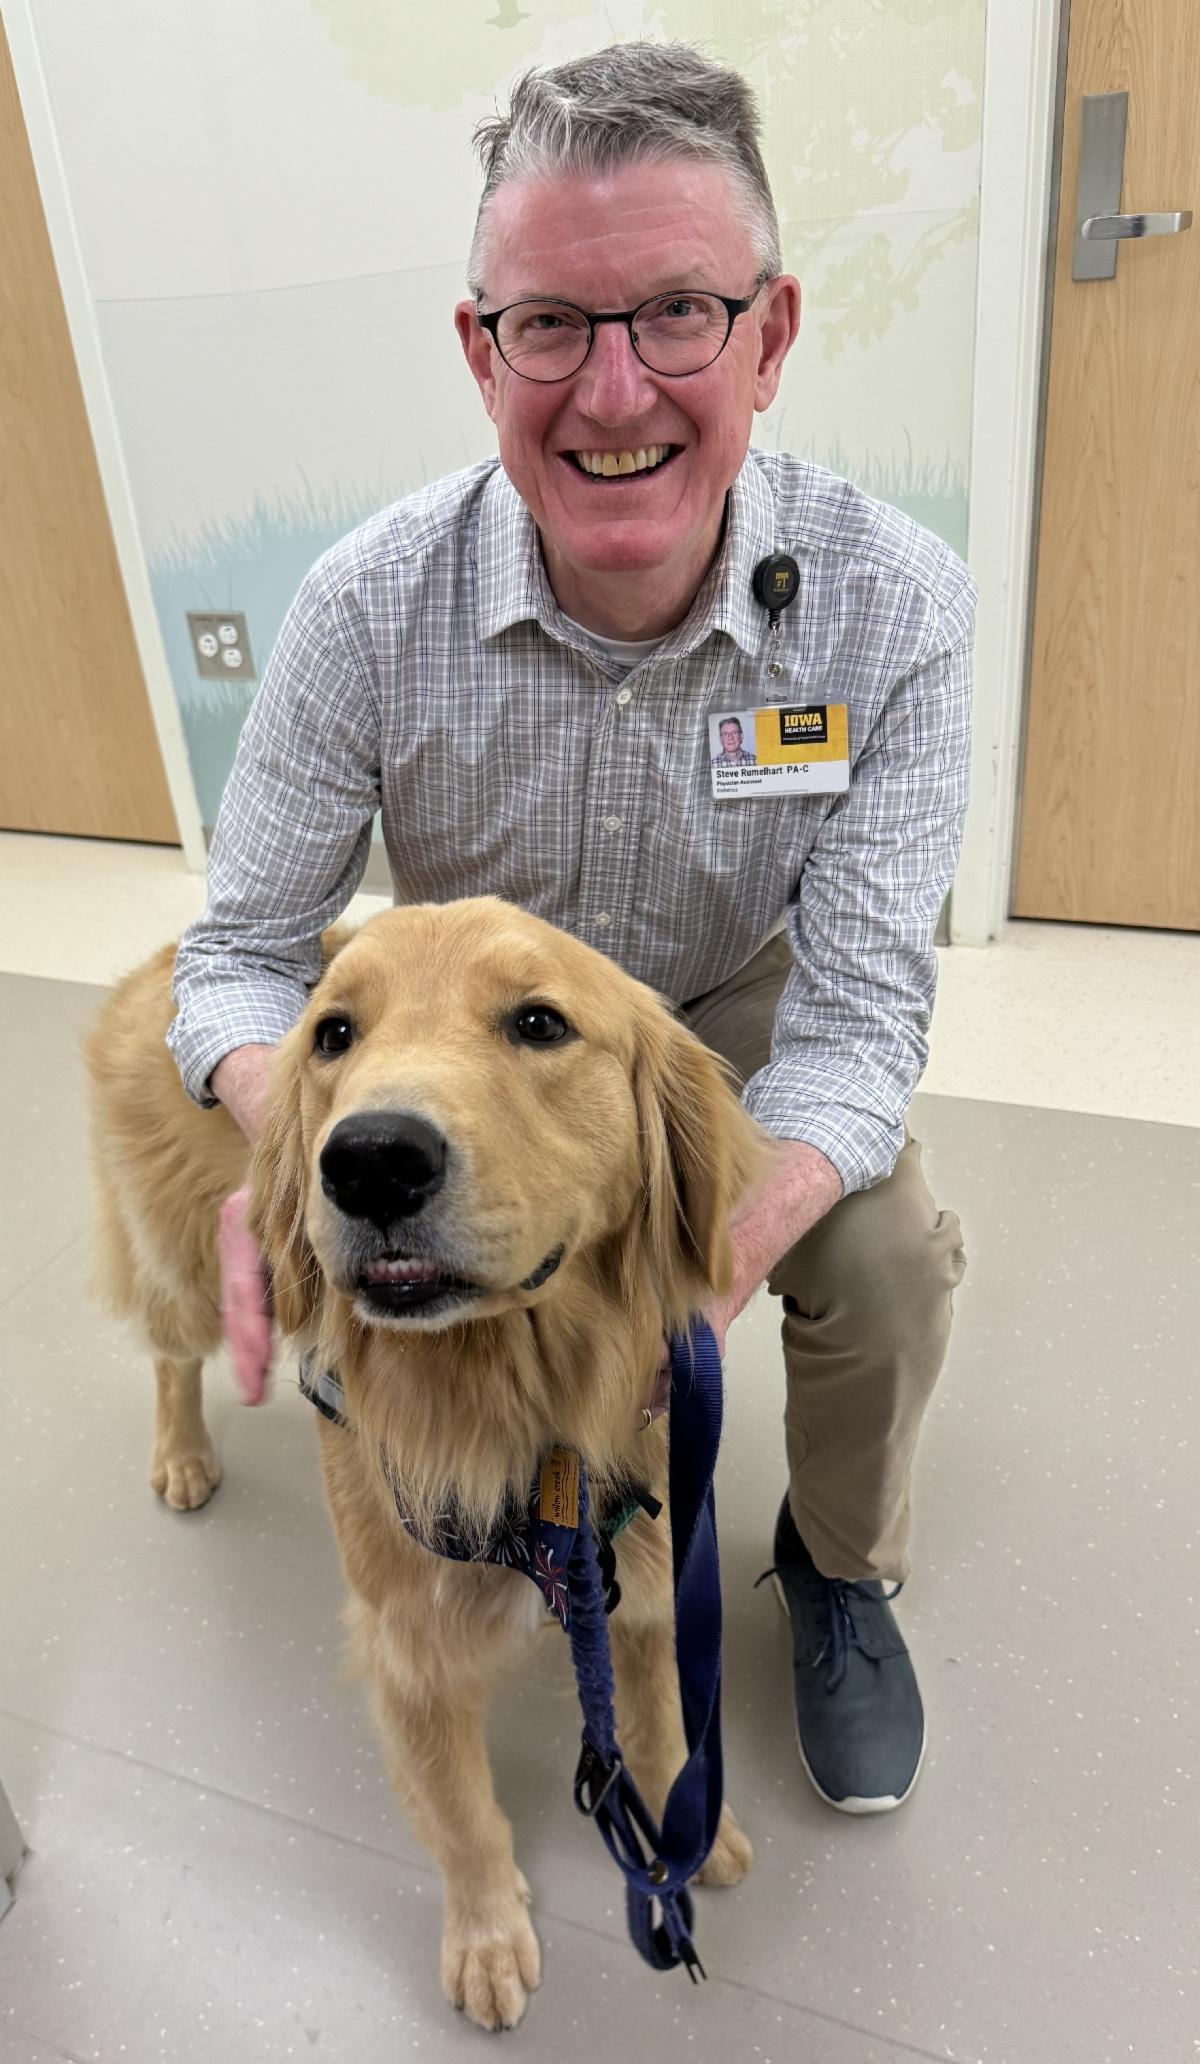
(621, 464)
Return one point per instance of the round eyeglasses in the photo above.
(672, 334)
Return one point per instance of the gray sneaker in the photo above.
(860, 1725)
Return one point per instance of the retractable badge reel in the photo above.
(776, 582)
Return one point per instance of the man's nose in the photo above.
(613, 386)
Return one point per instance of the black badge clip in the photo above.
(776, 582)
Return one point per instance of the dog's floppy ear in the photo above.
(332, 941)
(699, 1152)
(276, 1217)
(277, 1178)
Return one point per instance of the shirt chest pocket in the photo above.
(468, 796)
(764, 840)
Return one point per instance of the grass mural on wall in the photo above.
(256, 563)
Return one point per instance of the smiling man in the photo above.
(623, 437)
(520, 667)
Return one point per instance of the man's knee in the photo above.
(879, 1253)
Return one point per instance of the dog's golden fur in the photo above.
(623, 1144)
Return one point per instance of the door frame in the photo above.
(1024, 43)
(37, 109)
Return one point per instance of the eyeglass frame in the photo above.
(732, 305)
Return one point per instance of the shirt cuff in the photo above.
(199, 1041)
(862, 1146)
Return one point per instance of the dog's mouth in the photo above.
(400, 1282)
(396, 1283)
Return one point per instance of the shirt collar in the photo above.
(513, 587)
(512, 578)
(726, 600)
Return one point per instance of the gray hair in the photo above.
(634, 103)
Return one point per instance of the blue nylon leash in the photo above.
(565, 1562)
(604, 1789)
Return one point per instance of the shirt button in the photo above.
(612, 824)
(602, 920)
(624, 695)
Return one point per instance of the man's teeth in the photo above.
(609, 464)
(400, 1272)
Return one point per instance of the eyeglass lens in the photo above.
(677, 333)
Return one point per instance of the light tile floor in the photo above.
(218, 1870)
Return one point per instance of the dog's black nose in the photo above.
(382, 1165)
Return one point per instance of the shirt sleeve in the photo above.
(849, 1044)
(291, 842)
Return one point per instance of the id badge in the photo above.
(785, 749)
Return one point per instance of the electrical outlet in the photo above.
(221, 645)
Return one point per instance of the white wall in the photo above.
(274, 200)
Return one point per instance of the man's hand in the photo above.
(245, 1299)
(800, 1186)
(798, 1189)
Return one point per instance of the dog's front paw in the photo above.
(490, 1957)
(730, 1856)
(185, 1478)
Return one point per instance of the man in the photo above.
(594, 589)
(732, 753)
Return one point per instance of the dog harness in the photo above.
(554, 1539)
(534, 1535)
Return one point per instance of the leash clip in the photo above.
(590, 1767)
(691, 1961)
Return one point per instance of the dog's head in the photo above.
(472, 1102)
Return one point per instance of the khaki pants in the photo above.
(866, 1318)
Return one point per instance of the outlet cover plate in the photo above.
(221, 645)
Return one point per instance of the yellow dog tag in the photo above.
(558, 1497)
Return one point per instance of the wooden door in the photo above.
(1110, 813)
(78, 748)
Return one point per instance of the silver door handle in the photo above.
(1099, 229)
(1107, 228)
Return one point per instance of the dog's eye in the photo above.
(538, 1025)
(333, 1036)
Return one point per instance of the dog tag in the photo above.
(558, 1499)
(785, 749)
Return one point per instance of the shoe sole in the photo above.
(851, 1804)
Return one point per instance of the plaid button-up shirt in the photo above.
(426, 671)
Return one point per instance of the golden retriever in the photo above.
(493, 1172)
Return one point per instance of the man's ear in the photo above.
(778, 328)
(699, 1152)
(477, 349)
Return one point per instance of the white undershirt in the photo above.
(624, 652)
